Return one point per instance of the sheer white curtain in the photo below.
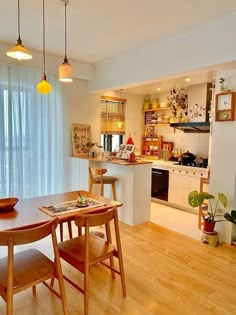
(31, 134)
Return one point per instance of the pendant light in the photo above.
(65, 70)
(44, 87)
(19, 51)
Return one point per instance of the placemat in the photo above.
(70, 206)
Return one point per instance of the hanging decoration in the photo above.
(44, 87)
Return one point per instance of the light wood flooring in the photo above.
(166, 273)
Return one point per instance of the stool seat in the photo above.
(96, 176)
(105, 179)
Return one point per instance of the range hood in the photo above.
(203, 127)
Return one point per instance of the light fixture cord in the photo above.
(43, 41)
(19, 18)
(65, 34)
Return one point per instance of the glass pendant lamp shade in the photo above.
(65, 70)
(44, 87)
(19, 51)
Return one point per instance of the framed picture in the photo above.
(81, 135)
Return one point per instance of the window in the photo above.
(31, 150)
(112, 122)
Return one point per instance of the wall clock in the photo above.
(225, 106)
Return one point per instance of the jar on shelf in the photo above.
(146, 103)
(155, 103)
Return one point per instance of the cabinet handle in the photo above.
(186, 172)
(179, 171)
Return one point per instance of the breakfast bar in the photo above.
(133, 186)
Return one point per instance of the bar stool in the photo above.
(96, 176)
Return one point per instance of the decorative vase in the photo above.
(208, 226)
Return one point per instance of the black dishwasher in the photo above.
(160, 183)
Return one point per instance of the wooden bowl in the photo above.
(7, 204)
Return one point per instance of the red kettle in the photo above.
(132, 157)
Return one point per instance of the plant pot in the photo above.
(208, 226)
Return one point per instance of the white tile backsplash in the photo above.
(197, 143)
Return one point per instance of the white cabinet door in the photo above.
(179, 188)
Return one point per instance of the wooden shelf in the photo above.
(157, 109)
(164, 124)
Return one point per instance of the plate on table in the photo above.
(7, 204)
(82, 206)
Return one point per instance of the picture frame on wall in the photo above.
(81, 135)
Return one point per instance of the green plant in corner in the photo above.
(214, 214)
(231, 216)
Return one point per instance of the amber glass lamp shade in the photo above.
(19, 51)
(44, 87)
(65, 72)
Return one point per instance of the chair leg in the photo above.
(102, 189)
(70, 229)
(122, 275)
(199, 218)
(86, 289)
(34, 290)
(61, 231)
(114, 191)
(90, 186)
(10, 305)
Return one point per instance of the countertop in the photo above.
(161, 164)
(114, 160)
(181, 169)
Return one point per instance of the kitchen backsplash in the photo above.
(197, 143)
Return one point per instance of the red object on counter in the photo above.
(130, 141)
(132, 157)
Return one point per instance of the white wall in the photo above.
(202, 47)
(223, 157)
(82, 108)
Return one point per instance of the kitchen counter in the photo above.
(115, 160)
(187, 170)
(133, 187)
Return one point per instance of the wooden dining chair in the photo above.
(96, 176)
(202, 210)
(88, 249)
(22, 270)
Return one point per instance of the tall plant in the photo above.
(197, 199)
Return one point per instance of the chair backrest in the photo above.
(28, 235)
(90, 220)
(204, 184)
(96, 172)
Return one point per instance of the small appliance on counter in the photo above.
(125, 150)
(189, 159)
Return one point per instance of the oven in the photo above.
(160, 183)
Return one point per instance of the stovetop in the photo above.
(192, 164)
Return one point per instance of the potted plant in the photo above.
(231, 216)
(214, 214)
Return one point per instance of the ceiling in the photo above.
(97, 30)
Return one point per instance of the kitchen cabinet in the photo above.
(181, 183)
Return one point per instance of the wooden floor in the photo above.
(166, 273)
